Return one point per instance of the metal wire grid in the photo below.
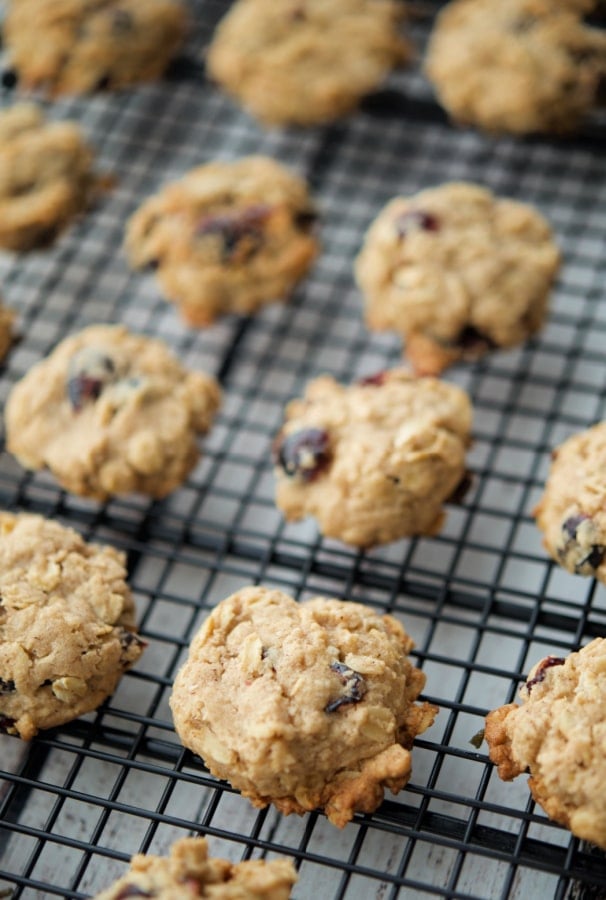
(481, 599)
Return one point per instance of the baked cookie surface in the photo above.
(7, 329)
(67, 624)
(110, 412)
(228, 237)
(188, 871)
(46, 177)
(572, 511)
(374, 461)
(303, 62)
(558, 734)
(457, 271)
(516, 66)
(79, 46)
(302, 705)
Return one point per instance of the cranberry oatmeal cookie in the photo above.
(558, 734)
(516, 66)
(457, 271)
(303, 705)
(228, 237)
(188, 872)
(572, 511)
(67, 624)
(304, 62)
(46, 177)
(79, 46)
(374, 461)
(110, 412)
(7, 329)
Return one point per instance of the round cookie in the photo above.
(457, 271)
(572, 511)
(558, 734)
(518, 66)
(67, 624)
(109, 412)
(374, 461)
(303, 62)
(303, 705)
(188, 872)
(46, 177)
(228, 237)
(79, 46)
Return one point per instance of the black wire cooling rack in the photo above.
(482, 600)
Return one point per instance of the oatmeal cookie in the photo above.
(303, 705)
(188, 872)
(78, 46)
(558, 734)
(303, 62)
(457, 271)
(67, 624)
(516, 66)
(228, 237)
(572, 511)
(109, 412)
(374, 461)
(46, 177)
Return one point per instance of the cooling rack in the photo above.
(481, 600)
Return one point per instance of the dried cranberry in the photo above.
(354, 684)
(303, 454)
(241, 231)
(6, 724)
(375, 380)
(415, 220)
(545, 664)
(579, 550)
(90, 370)
(10, 79)
(128, 641)
(7, 687)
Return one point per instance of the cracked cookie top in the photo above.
(303, 62)
(516, 66)
(110, 412)
(558, 735)
(46, 177)
(373, 461)
(79, 46)
(228, 237)
(302, 705)
(457, 271)
(572, 511)
(67, 624)
(189, 872)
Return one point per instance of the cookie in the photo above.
(79, 46)
(67, 624)
(457, 271)
(304, 62)
(558, 735)
(7, 329)
(189, 872)
(46, 177)
(517, 66)
(109, 412)
(303, 705)
(572, 511)
(228, 237)
(373, 461)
